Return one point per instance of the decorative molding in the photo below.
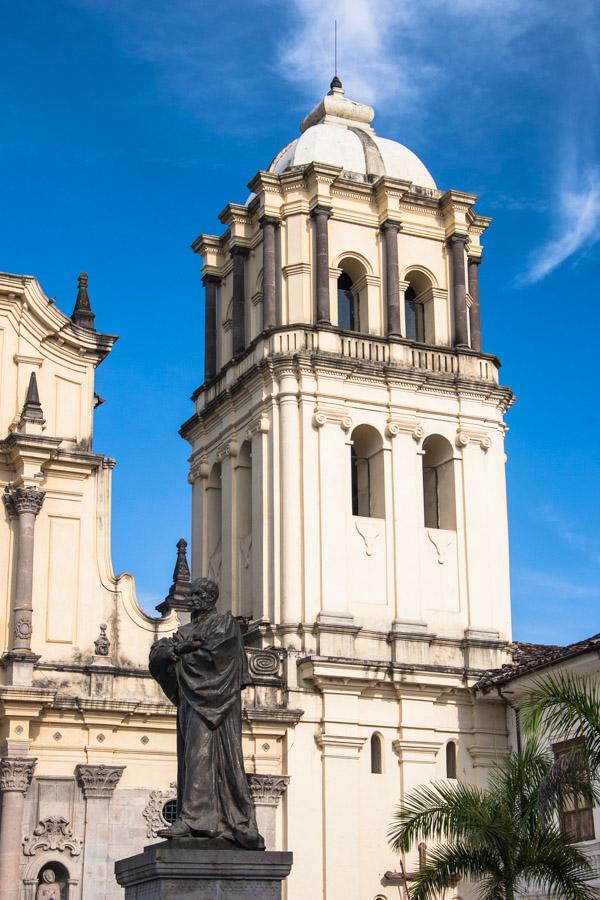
(199, 468)
(267, 789)
(264, 663)
(98, 782)
(153, 810)
(367, 531)
(27, 499)
(416, 751)
(488, 756)
(261, 425)
(227, 450)
(441, 540)
(466, 436)
(338, 745)
(401, 425)
(16, 773)
(53, 833)
(23, 628)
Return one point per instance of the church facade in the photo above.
(348, 494)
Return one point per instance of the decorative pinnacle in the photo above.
(179, 592)
(82, 314)
(32, 408)
(336, 85)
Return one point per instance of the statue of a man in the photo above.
(203, 669)
(49, 889)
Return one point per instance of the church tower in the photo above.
(348, 478)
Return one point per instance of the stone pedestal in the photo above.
(201, 869)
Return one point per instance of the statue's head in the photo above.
(48, 876)
(204, 595)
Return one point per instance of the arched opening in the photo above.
(451, 759)
(53, 882)
(439, 499)
(376, 754)
(244, 529)
(367, 479)
(414, 314)
(348, 304)
(213, 523)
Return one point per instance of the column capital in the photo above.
(275, 221)
(27, 499)
(239, 250)
(98, 782)
(16, 773)
(474, 260)
(211, 278)
(267, 789)
(458, 239)
(391, 225)
(321, 211)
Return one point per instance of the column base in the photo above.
(19, 666)
(202, 869)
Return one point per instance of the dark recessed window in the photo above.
(415, 317)
(450, 759)
(376, 755)
(169, 811)
(347, 304)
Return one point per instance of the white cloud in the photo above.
(554, 587)
(577, 219)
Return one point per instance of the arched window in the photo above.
(348, 305)
(414, 316)
(376, 754)
(438, 483)
(451, 759)
(366, 462)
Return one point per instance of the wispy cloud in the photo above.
(553, 587)
(575, 538)
(578, 224)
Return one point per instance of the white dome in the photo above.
(337, 132)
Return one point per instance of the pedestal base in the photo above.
(201, 869)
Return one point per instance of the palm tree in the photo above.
(493, 837)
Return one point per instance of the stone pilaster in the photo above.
(474, 309)
(461, 331)
(16, 773)
(266, 792)
(321, 215)
(239, 254)
(390, 234)
(98, 783)
(270, 228)
(211, 286)
(23, 504)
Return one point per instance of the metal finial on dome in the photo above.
(82, 314)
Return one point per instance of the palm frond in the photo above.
(451, 862)
(558, 868)
(568, 779)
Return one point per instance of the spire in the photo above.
(336, 86)
(32, 408)
(178, 597)
(82, 315)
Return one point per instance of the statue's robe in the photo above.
(213, 797)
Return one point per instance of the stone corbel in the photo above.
(401, 425)
(227, 450)
(199, 468)
(98, 782)
(267, 789)
(16, 773)
(337, 415)
(339, 745)
(466, 436)
(416, 751)
(261, 425)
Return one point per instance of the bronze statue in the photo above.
(202, 669)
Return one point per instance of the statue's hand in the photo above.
(184, 647)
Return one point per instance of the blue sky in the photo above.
(127, 126)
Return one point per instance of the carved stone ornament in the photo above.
(267, 789)
(464, 438)
(442, 541)
(263, 662)
(23, 628)
(98, 782)
(16, 773)
(102, 643)
(23, 500)
(405, 426)
(369, 533)
(153, 810)
(53, 833)
(337, 415)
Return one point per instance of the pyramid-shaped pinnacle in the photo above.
(181, 572)
(179, 593)
(32, 408)
(82, 314)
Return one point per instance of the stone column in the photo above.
(270, 227)
(291, 506)
(211, 285)
(321, 214)
(239, 254)
(474, 310)
(461, 331)
(390, 234)
(16, 773)
(266, 791)
(98, 783)
(23, 503)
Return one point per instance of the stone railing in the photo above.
(366, 348)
